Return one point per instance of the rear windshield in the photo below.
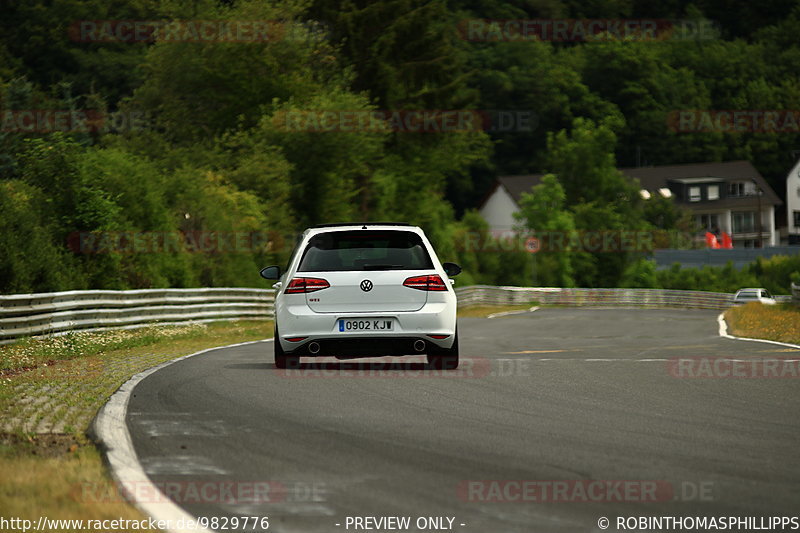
(365, 250)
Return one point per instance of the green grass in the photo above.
(29, 352)
(58, 384)
(772, 322)
(56, 485)
(51, 390)
(482, 311)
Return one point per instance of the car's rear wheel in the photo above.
(282, 360)
(444, 358)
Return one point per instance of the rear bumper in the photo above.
(365, 346)
(435, 318)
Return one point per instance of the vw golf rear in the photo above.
(363, 291)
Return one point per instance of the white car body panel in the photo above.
(748, 295)
(386, 294)
(315, 316)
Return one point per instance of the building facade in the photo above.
(730, 197)
(792, 230)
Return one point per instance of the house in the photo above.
(793, 205)
(730, 197)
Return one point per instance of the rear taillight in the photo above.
(431, 282)
(300, 285)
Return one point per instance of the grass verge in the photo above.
(56, 486)
(482, 311)
(50, 390)
(772, 322)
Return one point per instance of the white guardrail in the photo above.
(23, 315)
(490, 295)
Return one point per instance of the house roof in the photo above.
(516, 185)
(654, 178)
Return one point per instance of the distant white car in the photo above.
(744, 296)
(365, 290)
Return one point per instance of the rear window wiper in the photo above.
(382, 267)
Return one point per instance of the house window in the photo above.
(713, 192)
(736, 189)
(743, 222)
(694, 194)
(796, 219)
(710, 222)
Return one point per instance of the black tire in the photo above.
(282, 360)
(445, 358)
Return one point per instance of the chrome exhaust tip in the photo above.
(313, 347)
(419, 345)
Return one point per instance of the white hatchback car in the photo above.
(744, 296)
(364, 290)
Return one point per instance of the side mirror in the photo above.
(271, 272)
(451, 269)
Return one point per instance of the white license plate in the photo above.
(365, 324)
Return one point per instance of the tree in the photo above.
(197, 91)
(543, 212)
(31, 260)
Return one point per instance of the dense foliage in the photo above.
(193, 176)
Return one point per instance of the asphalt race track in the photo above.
(558, 395)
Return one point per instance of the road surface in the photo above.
(587, 407)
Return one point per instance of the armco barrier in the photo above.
(491, 295)
(47, 313)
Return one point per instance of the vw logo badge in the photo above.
(366, 285)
